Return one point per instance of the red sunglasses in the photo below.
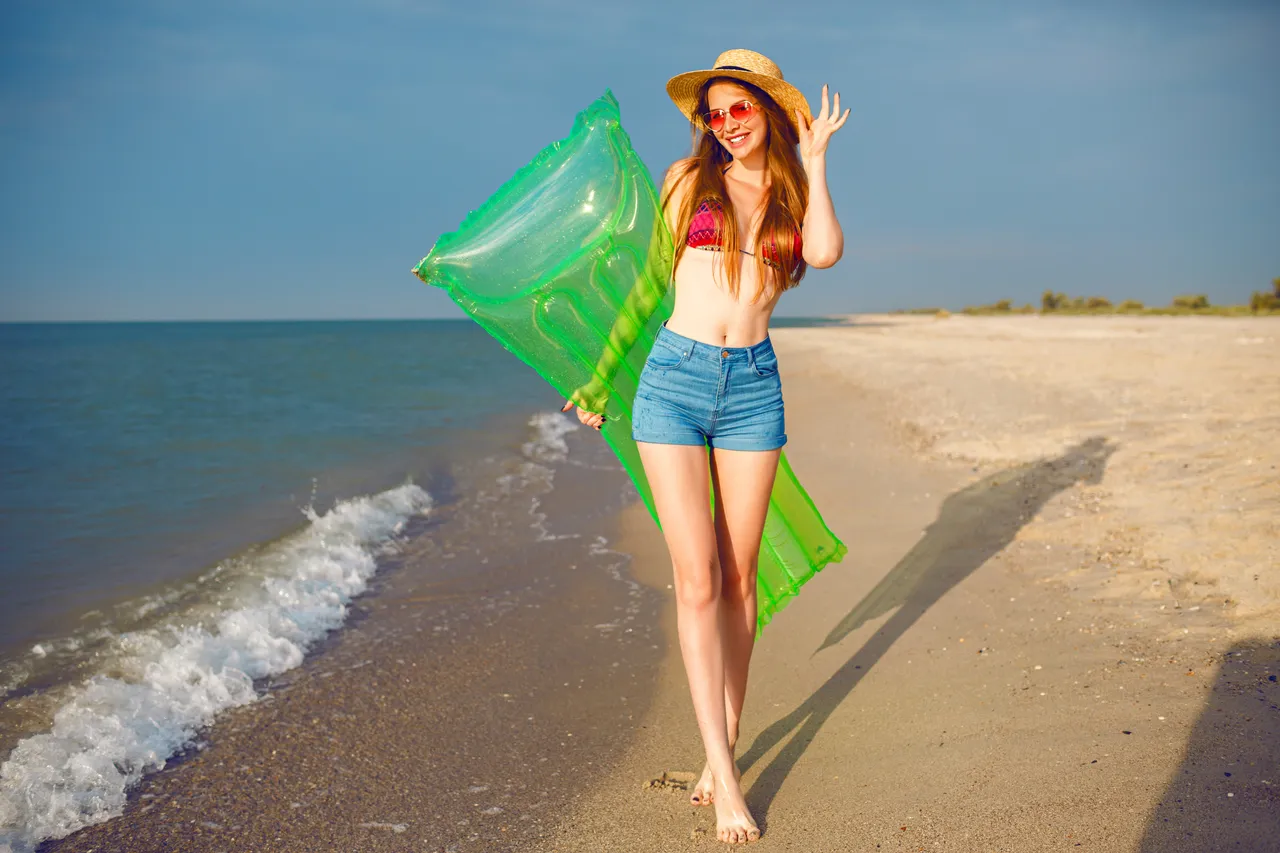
(740, 111)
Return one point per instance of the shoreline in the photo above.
(468, 694)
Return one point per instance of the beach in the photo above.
(1057, 628)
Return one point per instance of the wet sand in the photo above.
(474, 690)
(1056, 629)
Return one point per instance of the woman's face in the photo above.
(740, 138)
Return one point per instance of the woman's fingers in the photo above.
(816, 133)
(590, 419)
(816, 138)
(806, 132)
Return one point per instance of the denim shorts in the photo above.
(695, 393)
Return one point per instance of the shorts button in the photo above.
(724, 354)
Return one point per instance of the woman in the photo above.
(750, 210)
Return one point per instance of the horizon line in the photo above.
(463, 319)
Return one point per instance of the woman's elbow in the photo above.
(823, 260)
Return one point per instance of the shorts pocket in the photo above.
(765, 364)
(663, 357)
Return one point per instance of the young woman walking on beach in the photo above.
(750, 210)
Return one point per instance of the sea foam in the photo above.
(112, 730)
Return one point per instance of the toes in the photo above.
(738, 834)
(703, 789)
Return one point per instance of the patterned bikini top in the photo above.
(706, 231)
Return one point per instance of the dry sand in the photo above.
(1058, 624)
(1191, 407)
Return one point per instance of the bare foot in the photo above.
(704, 792)
(734, 823)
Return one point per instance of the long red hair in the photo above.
(784, 204)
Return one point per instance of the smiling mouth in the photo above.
(737, 138)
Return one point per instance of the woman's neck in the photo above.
(752, 169)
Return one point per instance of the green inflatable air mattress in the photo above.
(568, 266)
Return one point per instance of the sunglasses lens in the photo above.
(740, 111)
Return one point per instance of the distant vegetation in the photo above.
(1261, 302)
(1266, 303)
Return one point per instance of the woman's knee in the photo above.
(697, 585)
(738, 583)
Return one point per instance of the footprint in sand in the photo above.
(672, 780)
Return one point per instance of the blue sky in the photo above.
(237, 160)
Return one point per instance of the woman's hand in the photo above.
(591, 419)
(593, 395)
(815, 135)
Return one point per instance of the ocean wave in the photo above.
(172, 680)
(540, 453)
(549, 430)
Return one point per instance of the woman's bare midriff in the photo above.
(706, 311)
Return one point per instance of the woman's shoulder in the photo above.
(678, 170)
(676, 181)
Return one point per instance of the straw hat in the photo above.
(754, 68)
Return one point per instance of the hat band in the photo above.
(734, 68)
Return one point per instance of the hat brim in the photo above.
(684, 88)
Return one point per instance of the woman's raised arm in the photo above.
(823, 238)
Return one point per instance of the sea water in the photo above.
(188, 507)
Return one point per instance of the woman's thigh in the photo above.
(743, 482)
(679, 477)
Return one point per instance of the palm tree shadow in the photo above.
(972, 526)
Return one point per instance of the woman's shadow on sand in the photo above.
(1220, 797)
(972, 526)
